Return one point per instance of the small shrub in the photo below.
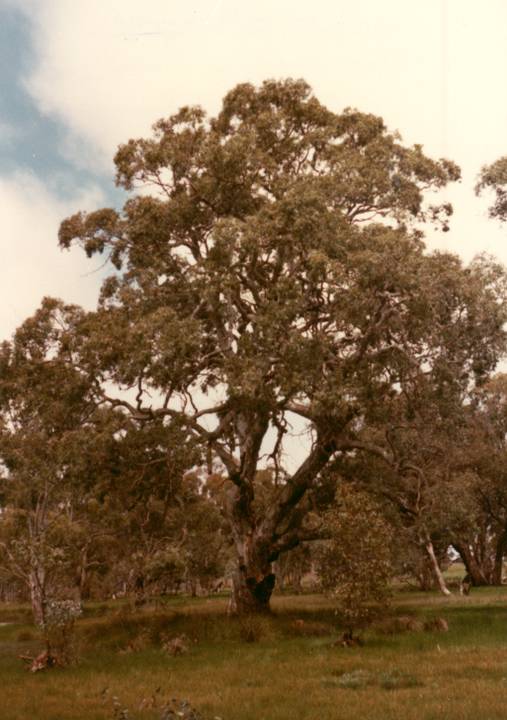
(59, 631)
(120, 712)
(400, 624)
(349, 640)
(396, 680)
(438, 624)
(173, 709)
(178, 645)
(253, 627)
(179, 710)
(356, 679)
(138, 643)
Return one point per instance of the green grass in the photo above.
(285, 675)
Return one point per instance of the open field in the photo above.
(284, 675)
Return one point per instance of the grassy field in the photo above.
(291, 672)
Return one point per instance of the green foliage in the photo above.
(82, 485)
(59, 630)
(355, 564)
(275, 267)
(493, 178)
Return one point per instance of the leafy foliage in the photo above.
(355, 564)
(493, 178)
(272, 268)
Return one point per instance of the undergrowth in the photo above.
(284, 667)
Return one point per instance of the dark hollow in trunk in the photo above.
(251, 593)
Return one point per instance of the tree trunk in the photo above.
(499, 554)
(192, 584)
(280, 575)
(253, 579)
(471, 564)
(36, 586)
(82, 584)
(139, 590)
(428, 545)
(425, 574)
(251, 591)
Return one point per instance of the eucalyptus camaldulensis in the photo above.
(269, 266)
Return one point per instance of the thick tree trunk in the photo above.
(253, 580)
(428, 545)
(472, 566)
(258, 539)
(251, 591)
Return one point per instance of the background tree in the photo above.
(86, 492)
(493, 179)
(44, 402)
(139, 503)
(479, 508)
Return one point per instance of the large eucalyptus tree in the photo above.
(268, 267)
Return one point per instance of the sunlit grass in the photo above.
(457, 675)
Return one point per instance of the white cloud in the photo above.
(31, 265)
(433, 70)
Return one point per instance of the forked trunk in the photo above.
(477, 572)
(258, 536)
(253, 580)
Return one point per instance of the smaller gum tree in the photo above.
(79, 484)
(270, 273)
(355, 563)
(44, 404)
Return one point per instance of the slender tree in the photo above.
(44, 402)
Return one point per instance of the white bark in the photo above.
(436, 568)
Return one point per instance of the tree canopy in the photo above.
(269, 266)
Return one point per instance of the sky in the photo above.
(79, 77)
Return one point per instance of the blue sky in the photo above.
(77, 78)
(30, 140)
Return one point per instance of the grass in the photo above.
(285, 675)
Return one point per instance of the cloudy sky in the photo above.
(78, 77)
